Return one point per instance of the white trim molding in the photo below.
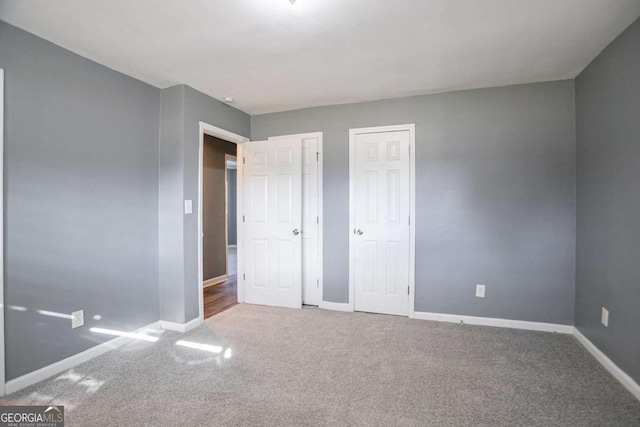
(214, 281)
(336, 306)
(320, 215)
(608, 364)
(411, 128)
(500, 323)
(73, 361)
(180, 327)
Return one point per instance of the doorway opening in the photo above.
(220, 176)
(219, 267)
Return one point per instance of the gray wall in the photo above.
(179, 172)
(232, 206)
(495, 196)
(81, 192)
(608, 204)
(170, 212)
(214, 189)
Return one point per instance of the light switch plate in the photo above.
(480, 291)
(77, 319)
(188, 207)
(604, 318)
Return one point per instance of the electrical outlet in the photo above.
(604, 318)
(77, 319)
(480, 291)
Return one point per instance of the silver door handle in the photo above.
(295, 232)
(359, 232)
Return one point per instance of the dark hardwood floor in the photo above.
(220, 297)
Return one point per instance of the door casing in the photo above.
(412, 197)
(217, 132)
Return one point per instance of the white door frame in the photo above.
(412, 207)
(2, 378)
(207, 129)
(320, 208)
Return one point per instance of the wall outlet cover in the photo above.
(604, 318)
(188, 207)
(77, 319)
(480, 291)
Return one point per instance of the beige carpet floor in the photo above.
(313, 367)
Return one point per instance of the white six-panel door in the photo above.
(381, 223)
(273, 222)
(311, 263)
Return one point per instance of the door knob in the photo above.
(360, 232)
(295, 232)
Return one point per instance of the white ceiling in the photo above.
(270, 55)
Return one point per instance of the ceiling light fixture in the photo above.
(292, 1)
(228, 99)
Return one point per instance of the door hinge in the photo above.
(317, 156)
(409, 220)
(408, 290)
(317, 283)
(244, 276)
(243, 218)
(244, 160)
(318, 220)
(409, 150)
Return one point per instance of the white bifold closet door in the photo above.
(273, 222)
(381, 234)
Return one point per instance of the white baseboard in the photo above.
(180, 327)
(490, 321)
(608, 364)
(72, 361)
(214, 281)
(335, 306)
